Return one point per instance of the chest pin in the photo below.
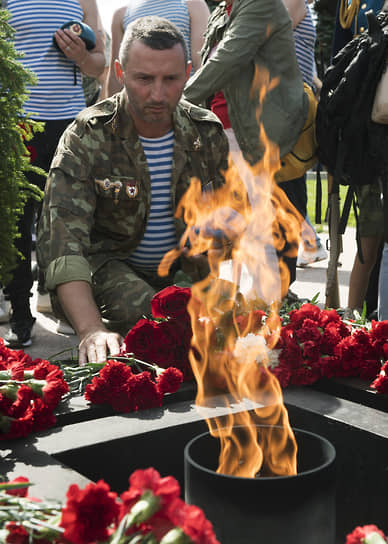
(197, 143)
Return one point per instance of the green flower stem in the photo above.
(374, 538)
(145, 508)
(40, 524)
(10, 390)
(132, 360)
(176, 536)
(17, 485)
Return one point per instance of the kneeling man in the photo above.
(117, 177)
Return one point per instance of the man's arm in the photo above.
(96, 341)
(199, 15)
(113, 85)
(247, 32)
(297, 11)
(90, 62)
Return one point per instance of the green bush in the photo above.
(14, 158)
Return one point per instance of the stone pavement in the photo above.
(311, 281)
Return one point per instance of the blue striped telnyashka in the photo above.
(159, 236)
(304, 37)
(35, 21)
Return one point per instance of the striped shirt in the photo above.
(304, 37)
(55, 96)
(174, 10)
(159, 236)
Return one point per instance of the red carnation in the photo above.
(44, 370)
(173, 343)
(43, 415)
(16, 428)
(351, 352)
(283, 374)
(311, 352)
(20, 491)
(330, 366)
(369, 369)
(169, 381)
(23, 400)
(192, 521)
(143, 392)
(305, 375)
(306, 311)
(17, 370)
(123, 401)
(330, 338)
(379, 330)
(167, 488)
(360, 534)
(88, 513)
(53, 391)
(111, 386)
(17, 534)
(98, 391)
(327, 317)
(116, 375)
(381, 382)
(308, 331)
(141, 340)
(171, 302)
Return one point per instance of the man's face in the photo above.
(153, 80)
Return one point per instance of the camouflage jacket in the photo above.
(98, 192)
(255, 42)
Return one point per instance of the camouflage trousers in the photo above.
(123, 296)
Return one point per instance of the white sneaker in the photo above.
(5, 308)
(306, 257)
(43, 303)
(64, 328)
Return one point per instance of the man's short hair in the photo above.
(154, 32)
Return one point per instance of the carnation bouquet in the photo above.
(149, 512)
(30, 390)
(312, 344)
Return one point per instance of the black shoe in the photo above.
(20, 333)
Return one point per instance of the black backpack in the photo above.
(351, 146)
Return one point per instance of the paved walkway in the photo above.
(310, 281)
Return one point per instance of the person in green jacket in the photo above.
(245, 38)
(100, 192)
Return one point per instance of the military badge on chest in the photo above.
(131, 188)
(115, 185)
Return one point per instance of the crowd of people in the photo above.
(170, 97)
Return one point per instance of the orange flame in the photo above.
(242, 226)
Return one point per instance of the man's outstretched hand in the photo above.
(96, 346)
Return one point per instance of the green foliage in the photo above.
(14, 158)
(311, 195)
